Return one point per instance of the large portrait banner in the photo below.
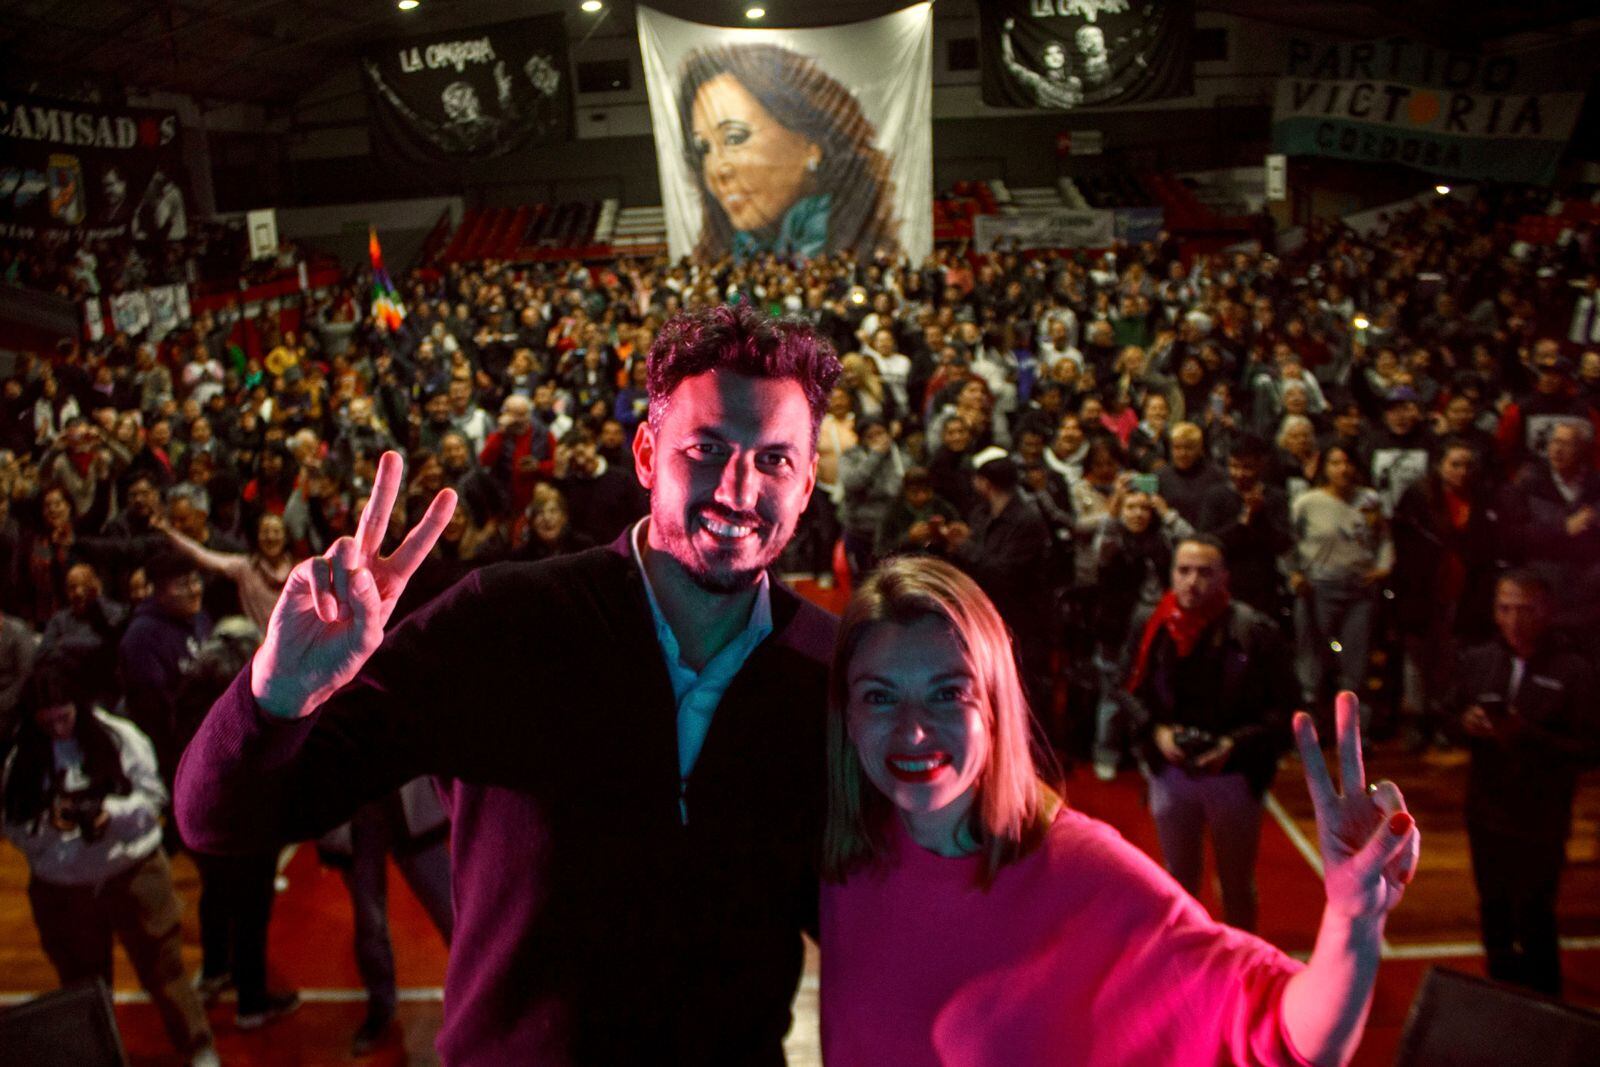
(797, 143)
(474, 93)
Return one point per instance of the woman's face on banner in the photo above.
(755, 167)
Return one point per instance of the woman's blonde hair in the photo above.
(866, 372)
(1012, 808)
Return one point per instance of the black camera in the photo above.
(1193, 741)
(83, 811)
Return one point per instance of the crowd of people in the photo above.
(127, 259)
(1342, 448)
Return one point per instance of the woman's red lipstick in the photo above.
(917, 768)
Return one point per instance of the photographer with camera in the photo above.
(82, 800)
(1211, 686)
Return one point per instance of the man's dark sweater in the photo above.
(592, 925)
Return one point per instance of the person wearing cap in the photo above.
(258, 575)
(1004, 546)
(1526, 423)
(1401, 450)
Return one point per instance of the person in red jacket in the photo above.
(521, 453)
(1526, 423)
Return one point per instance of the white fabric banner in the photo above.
(131, 312)
(797, 142)
(262, 228)
(1058, 228)
(169, 309)
(94, 318)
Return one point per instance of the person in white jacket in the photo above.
(82, 800)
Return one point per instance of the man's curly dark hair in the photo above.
(738, 338)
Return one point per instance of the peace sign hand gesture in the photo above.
(330, 616)
(1370, 844)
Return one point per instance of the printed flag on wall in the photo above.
(96, 171)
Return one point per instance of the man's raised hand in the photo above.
(1369, 842)
(330, 616)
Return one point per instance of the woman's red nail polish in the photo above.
(1405, 879)
(1400, 823)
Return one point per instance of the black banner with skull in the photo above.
(1064, 54)
(471, 94)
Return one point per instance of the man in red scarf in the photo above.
(1212, 685)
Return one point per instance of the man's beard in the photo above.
(723, 584)
(679, 544)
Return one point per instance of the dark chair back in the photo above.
(1458, 1020)
(72, 1027)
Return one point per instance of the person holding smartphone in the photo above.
(1526, 703)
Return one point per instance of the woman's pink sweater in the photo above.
(1084, 952)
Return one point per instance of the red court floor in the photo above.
(311, 929)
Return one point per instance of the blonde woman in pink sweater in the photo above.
(970, 918)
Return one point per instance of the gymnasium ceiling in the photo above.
(273, 51)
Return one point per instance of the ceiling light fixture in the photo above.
(1442, 189)
(591, 6)
(754, 13)
(407, 5)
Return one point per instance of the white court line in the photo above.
(413, 995)
(1302, 844)
(1388, 951)
(1308, 851)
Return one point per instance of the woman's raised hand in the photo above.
(1370, 844)
(330, 616)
